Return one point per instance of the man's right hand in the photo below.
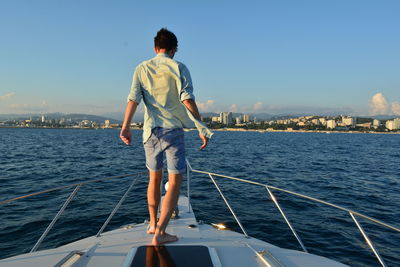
(205, 141)
(126, 135)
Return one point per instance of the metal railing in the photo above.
(77, 186)
(352, 213)
(211, 175)
(71, 197)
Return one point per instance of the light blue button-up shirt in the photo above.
(163, 84)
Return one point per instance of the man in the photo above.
(166, 88)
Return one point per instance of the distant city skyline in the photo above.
(224, 120)
(293, 57)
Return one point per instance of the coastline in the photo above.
(215, 130)
(297, 131)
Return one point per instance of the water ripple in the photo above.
(357, 171)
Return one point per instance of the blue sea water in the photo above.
(357, 171)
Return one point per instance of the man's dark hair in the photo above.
(165, 40)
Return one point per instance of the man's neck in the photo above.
(170, 53)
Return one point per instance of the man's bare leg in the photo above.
(169, 204)
(153, 198)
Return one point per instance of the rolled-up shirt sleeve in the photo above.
(187, 86)
(136, 89)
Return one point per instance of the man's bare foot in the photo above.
(162, 239)
(151, 230)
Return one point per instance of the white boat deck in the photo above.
(114, 248)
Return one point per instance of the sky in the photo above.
(276, 57)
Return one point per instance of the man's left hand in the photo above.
(205, 141)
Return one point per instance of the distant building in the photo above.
(229, 118)
(364, 125)
(246, 118)
(107, 124)
(282, 121)
(322, 121)
(397, 123)
(376, 123)
(215, 119)
(393, 124)
(331, 124)
(226, 118)
(85, 123)
(390, 124)
(133, 124)
(348, 121)
(43, 118)
(315, 121)
(238, 121)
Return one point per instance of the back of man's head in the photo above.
(165, 40)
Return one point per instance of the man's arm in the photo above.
(192, 107)
(126, 134)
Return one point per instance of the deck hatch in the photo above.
(172, 256)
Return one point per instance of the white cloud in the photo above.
(208, 106)
(6, 96)
(378, 104)
(396, 108)
(233, 108)
(258, 106)
(22, 108)
(28, 108)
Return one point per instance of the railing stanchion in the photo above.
(71, 196)
(229, 206)
(188, 169)
(116, 207)
(286, 219)
(161, 188)
(369, 242)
